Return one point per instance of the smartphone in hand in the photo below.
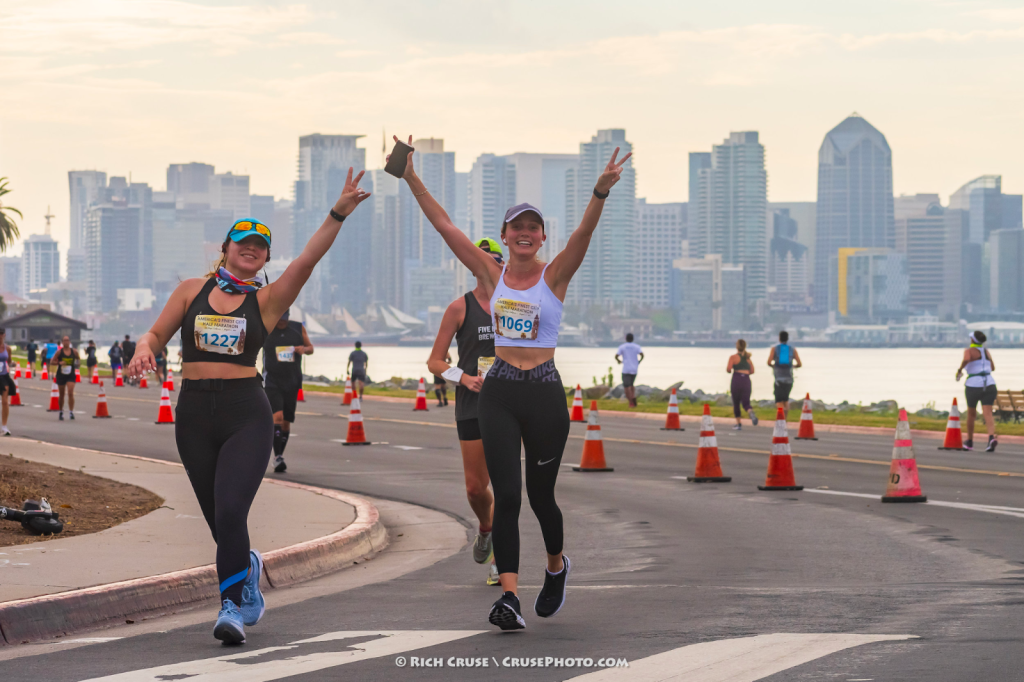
(399, 158)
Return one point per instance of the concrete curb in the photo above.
(49, 616)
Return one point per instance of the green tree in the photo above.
(8, 228)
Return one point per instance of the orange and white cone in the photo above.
(119, 378)
(904, 485)
(356, 434)
(28, 371)
(165, 415)
(780, 463)
(143, 383)
(95, 375)
(954, 440)
(169, 383)
(672, 418)
(421, 398)
(78, 375)
(576, 415)
(54, 398)
(16, 398)
(593, 445)
(17, 371)
(45, 376)
(709, 469)
(806, 431)
(101, 405)
(347, 398)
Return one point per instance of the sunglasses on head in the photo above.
(247, 225)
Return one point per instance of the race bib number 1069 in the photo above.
(220, 334)
(516, 319)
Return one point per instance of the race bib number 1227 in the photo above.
(220, 334)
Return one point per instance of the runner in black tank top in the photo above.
(224, 427)
(470, 323)
(64, 362)
(282, 372)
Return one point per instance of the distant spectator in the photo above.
(629, 355)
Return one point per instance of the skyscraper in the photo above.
(855, 206)
(729, 214)
(40, 262)
(540, 180)
(113, 241)
(436, 169)
(85, 188)
(190, 182)
(492, 191)
(606, 276)
(930, 237)
(660, 231)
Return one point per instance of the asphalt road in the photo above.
(700, 581)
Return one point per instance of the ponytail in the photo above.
(741, 348)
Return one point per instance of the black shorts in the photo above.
(782, 391)
(628, 379)
(359, 376)
(976, 394)
(7, 384)
(469, 429)
(439, 381)
(62, 379)
(283, 400)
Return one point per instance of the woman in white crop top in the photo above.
(522, 403)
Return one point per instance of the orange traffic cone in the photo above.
(101, 405)
(143, 383)
(78, 375)
(709, 469)
(953, 440)
(28, 370)
(903, 483)
(806, 431)
(347, 398)
(421, 398)
(45, 376)
(300, 397)
(16, 398)
(118, 378)
(576, 415)
(672, 418)
(169, 383)
(780, 463)
(95, 375)
(356, 435)
(17, 371)
(165, 415)
(54, 398)
(593, 446)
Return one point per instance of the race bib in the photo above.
(516, 319)
(65, 369)
(220, 334)
(3, 367)
(482, 365)
(286, 353)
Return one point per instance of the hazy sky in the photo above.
(129, 86)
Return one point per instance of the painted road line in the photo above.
(990, 508)
(246, 666)
(745, 659)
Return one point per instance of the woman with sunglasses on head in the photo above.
(522, 401)
(224, 427)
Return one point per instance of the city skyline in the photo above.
(165, 82)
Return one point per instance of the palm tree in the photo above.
(8, 228)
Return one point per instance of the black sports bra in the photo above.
(208, 336)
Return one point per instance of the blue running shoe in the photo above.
(253, 604)
(229, 628)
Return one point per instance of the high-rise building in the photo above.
(85, 188)
(731, 209)
(177, 234)
(872, 285)
(930, 237)
(10, 275)
(1007, 270)
(261, 207)
(229, 192)
(113, 241)
(708, 295)
(787, 264)
(492, 191)
(660, 231)
(75, 265)
(855, 204)
(40, 262)
(540, 181)
(190, 183)
(606, 276)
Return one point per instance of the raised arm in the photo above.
(281, 294)
(482, 265)
(566, 263)
(163, 330)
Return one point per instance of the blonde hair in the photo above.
(741, 347)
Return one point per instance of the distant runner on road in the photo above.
(629, 355)
(63, 364)
(741, 368)
(90, 357)
(979, 387)
(358, 361)
(782, 359)
(116, 356)
(468, 319)
(32, 348)
(128, 350)
(286, 343)
(441, 386)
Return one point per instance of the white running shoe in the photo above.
(492, 576)
(6, 431)
(482, 547)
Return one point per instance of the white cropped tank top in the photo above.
(525, 318)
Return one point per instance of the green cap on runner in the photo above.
(491, 246)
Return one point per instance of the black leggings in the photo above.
(740, 393)
(526, 407)
(224, 440)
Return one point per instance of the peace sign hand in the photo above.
(351, 195)
(612, 173)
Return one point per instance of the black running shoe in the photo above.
(552, 595)
(279, 466)
(505, 613)
(60, 417)
(968, 445)
(992, 443)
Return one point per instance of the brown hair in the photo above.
(741, 347)
(224, 259)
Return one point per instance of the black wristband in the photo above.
(337, 216)
(599, 195)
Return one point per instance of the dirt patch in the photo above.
(86, 504)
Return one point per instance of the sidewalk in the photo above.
(163, 561)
